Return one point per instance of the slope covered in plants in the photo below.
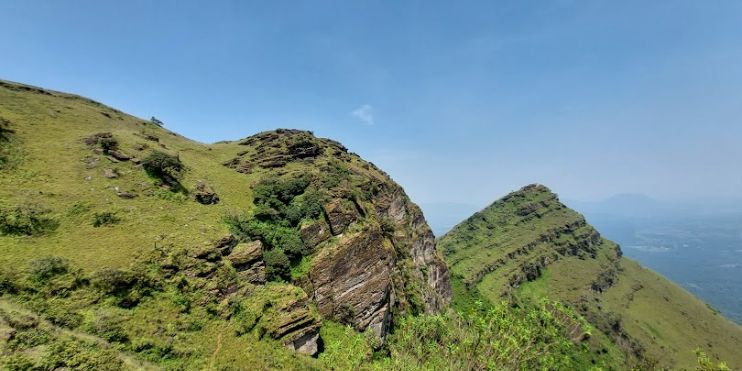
(528, 246)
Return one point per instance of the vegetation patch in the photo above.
(105, 218)
(26, 220)
(166, 168)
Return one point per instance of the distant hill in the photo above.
(528, 246)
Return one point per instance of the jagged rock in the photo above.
(112, 159)
(395, 206)
(226, 244)
(208, 253)
(353, 282)
(247, 260)
(204, 194)
(119, 155)
(110, 173)
(315, 233)
(136, 160)
(95, 138)
(340, 213)
(306, 344)
(246, 253)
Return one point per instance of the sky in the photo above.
(460, 102)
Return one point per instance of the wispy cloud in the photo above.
(365, 113)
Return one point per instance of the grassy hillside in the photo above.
(528, 246)
(133, 244)
(126, 246)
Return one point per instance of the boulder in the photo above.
(126, 195)
(119, 155)
(204, 194)
(306, 344)
(244, 254)
(226, 244)
(110, 173)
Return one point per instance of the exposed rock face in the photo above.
(275, 149)
(247, 259)
(306, 344)
(315, 233)
(340, 214)
(421, 240)
(371, 256)
(352, 283)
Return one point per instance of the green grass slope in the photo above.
(528, 246)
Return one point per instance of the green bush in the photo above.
(9, 281)
(79, 355)
(26, 220)
(105, 218)
(108, 327)
(108, 143)
(276, 265)
(17, 362)
(43, 269)
(501, 337)
(5, 130)
(164, 167)
(272, 235)
(128, 287)
(63, 317)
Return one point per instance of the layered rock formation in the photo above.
(372, 255)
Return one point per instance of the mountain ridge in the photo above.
(528, 246)
(260, 251)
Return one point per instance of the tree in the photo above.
(157, 122)
(164, 167)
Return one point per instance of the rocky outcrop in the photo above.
(369, 251)
(247, 259)
(275, 149)
(315, 233)
(340, 214)
(422, 247)
(204, 194)
(352, 283)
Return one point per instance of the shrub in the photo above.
(105, 218)
(9, 281)
(276, 265)
(5, 130)
(164, 167)
(272, 235)
(78, 355)
(157, 122)
(113, 281)
(26, 220)
(43, 269)
(500, 337)
(108, 327)
(127, 287)
(108, 143)
(63, 317)
(387, 226)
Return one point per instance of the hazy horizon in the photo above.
(459, 103)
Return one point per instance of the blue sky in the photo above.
(461, 102)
